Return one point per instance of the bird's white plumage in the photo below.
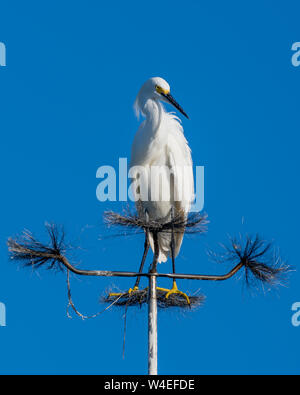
(160, 144)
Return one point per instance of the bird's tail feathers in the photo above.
(164, 244)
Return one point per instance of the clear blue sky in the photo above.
(73, 70)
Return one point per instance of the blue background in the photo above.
(73, 71)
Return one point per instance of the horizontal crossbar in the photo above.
(106, 273)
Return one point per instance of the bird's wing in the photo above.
(180, 160)
(168, 150)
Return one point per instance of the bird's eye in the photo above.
(159, 89)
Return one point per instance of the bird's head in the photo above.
(156, 88)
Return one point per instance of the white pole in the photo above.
(152, 327)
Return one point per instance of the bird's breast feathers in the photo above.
(150, 146)
(158, 153)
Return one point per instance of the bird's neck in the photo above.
(153, 111)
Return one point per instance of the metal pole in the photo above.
(152, 327)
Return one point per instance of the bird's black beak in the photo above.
(171, 100)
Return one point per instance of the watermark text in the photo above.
(296, 55)
(296, 316)
(2, 55)
(2, 314)
(152, 184)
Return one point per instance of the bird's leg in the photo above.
(153, 267)
(174, 289)
(136, 286)
(146, 250)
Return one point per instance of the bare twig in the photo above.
(32, 252)
(125, 327)
(252, 254)
(194, 223)
(260, 261)
(140, 297)
(71, 303)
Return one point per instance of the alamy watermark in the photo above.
(296, 55)
(152, 183)
(2, 55)
(296, 315)
(2, 314)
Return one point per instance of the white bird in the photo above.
(160, 145)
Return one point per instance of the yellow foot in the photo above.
(175, 290)
(130, 291)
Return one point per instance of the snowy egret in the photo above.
(160, 144)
